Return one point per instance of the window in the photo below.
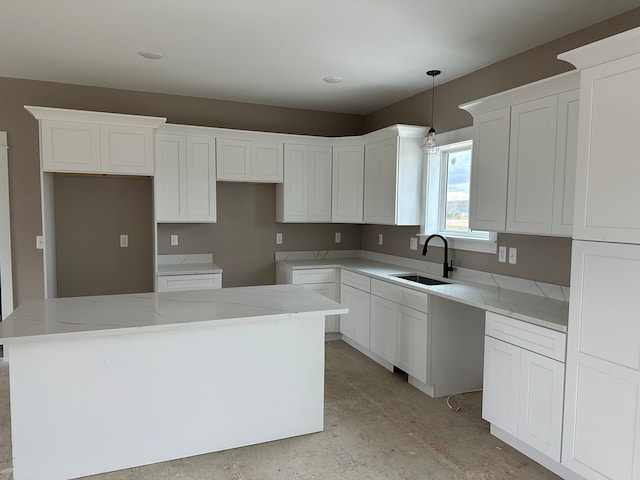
(446, 202)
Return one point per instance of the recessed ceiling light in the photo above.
(332, 79)
(151, 55)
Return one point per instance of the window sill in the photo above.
(470, 244)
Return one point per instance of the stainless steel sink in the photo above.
(414, 277)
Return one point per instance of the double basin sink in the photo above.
(416, 278)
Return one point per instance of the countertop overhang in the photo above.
(122, 314)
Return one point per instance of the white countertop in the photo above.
(117, 314)
(188, 269)
(537, 309)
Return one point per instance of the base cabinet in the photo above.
(354, 294)
(384, 328)
(524, 390)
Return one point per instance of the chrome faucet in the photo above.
(446, 267)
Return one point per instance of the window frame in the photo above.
(434, 199)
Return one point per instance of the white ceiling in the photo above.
(276, 52)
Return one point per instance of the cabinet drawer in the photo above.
(544, 341)
(314, 275)
(355, 280)
(414, 299)
(386, 290)
(176, 283)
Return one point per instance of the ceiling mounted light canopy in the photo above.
(150, 54)
(332, 79)
(430, 144)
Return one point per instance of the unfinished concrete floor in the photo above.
(377, 426)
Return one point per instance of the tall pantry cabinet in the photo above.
(601, 437)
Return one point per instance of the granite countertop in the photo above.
(187, 264)
(541, 309)
(121, 314)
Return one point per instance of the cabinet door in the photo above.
(380, 175)
(201, 179)
(608, 170)
(292, 201)
(532, 153)
(412, 342)
(170, 180)
(384, 328)
(319, 198)
(233, 160)
(267, 162)
(70, 146)
(126, 150)
(489, 167)
(601, 437)
(501, 384)
(355, 324)
(540, 405)
(348, 183)
(566, 157)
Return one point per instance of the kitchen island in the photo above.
(104, 383)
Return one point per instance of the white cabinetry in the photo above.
(305, 194)
(354, 294)
(249, 160)
(602, 409)
(185, 185)
(393, 177)
(524, 382)
(523, 157)
(77, 141)
(348, 184)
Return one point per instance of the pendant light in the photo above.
(430, 144)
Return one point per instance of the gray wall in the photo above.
(254, 245)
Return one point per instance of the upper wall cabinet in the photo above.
(393, 176)
(522, 177)
(305, 194)
(95, 142)
(249, 160)
(185, 179)
(348, 184)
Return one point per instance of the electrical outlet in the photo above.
(39, 242)
(338, 237)
(513, 255)
(413, 243)
(124, 241)
(174, 240)
(379, 239)
(502, 254)
(278, 238)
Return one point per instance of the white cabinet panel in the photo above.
(266, 162)
(608, 170)
(532, 152)
(233, 159)
(348, 184)
(126, 150)
(355, 324)
(501, 384)
(179, 283)
(540, 404)
(201, 179)
(70, 146)
(489, 167)
(380, 178)
(566, 158)
(305, 194)
(384, 328)
(412, 342)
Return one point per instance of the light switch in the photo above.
(379, 239)
(278, 238)
(338, 237)
(502, 254)
(174, 240)
(513, 255)
(124, 241)
(413, 243)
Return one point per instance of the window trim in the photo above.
(432, 199)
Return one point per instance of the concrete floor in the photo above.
(377, 426)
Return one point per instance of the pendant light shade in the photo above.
(430, 143)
